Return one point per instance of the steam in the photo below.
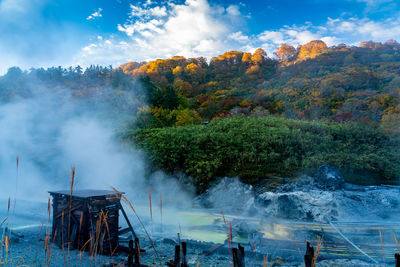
(52, 131)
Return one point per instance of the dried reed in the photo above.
(265, 261)
(383, 251)
(109, 236)
(48, 208)
(16, 185)
(228, 233)
(161, 222)
(3, 221)
(140, 221)
(62, 236)
(151, 221)
(254, 252)
(230, 238)
(295, 243)
(70, 210)
(397, 242)
(84, 247)
(314, 262)
(51, 248)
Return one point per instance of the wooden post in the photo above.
(397, 257)
(235, 257)
(177, 258)
(130, 254)
(240, 255)
(184, 252)
(137, 251)
(308, 257)
(127, 220)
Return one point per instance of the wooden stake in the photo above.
(308, 257)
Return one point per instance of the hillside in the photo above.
(313, 81)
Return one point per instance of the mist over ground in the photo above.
(52, 130)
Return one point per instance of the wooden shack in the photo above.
(88, 221)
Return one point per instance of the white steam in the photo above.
(52, 132)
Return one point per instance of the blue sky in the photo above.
(36, 33)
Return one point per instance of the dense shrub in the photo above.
(255, 148)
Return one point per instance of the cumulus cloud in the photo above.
(356, 30)
(193, 28)
(239, 36)
(334, 31)
(96, 14)
(200, 28)
(19, 6)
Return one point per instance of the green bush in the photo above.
(256, 148)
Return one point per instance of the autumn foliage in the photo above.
(313, 81)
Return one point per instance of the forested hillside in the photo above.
(313, 81)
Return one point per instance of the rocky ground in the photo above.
(27, 248)
(274, 223)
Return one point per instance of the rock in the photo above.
(329, 178)
(228, 191)
(278, 262)
(344, 263)
(287, 207)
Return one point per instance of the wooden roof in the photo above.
(85, 193)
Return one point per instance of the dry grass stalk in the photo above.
(16, 185)
(109, 236)
(99, 223)
(151, 208)
(230, 238)
(314, 262)
(228, 235)
(51, 248)
(295, 243)
(6, 243)
(46, 244)
(254, 250)
(80, 228)
(48, 208)
(140, 221)
(151, 221)
(84, 247)
(383, 251)
(3, 221)
(265, 261)
(46, 248)
(70, 210)
(397, 242)
(161, 223)
(62, 236)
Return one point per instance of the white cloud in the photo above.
(375, 2)
(94, 15)
(239, 37)
(357, 30)
(138, 11)
(334, 31)
(200, 28)
(194, 28)
(19, 6)
(233, 10)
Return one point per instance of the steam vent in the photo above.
(88, 220)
